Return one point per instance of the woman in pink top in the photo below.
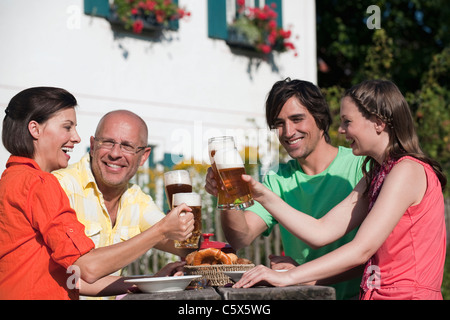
(398, 206)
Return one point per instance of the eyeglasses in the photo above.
(125, 147)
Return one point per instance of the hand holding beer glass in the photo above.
(192, 200)
(224, 200)
(231, 168)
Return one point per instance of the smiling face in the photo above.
(297, 129)
(366, 136)
(113, 168)
(54, 139)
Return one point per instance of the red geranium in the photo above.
(135, 12)
(259, 26)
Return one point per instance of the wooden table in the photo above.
(258, 293)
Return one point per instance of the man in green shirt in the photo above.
(318, 178)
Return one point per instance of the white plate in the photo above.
(163, 284)
(234, 275)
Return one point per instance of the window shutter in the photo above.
(174, 24)
(99, 8)
(217, 19)
(278, 10)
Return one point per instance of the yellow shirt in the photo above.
(136, 213)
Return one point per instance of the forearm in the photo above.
(236, 229)
(105, 260)
(330, 267)
(106, 286)
(303, 226)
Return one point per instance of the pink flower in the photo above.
(134, 11)
(289, 45)
(150, 5)
(241, 3)
(272, 24)
(138, 25)
(285, 34)
(265, 48)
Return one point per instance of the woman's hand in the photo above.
(258, 190)
(261, 275)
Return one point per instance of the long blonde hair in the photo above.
(383, 99)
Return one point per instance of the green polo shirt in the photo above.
(314, 195)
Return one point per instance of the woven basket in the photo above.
(213, 274)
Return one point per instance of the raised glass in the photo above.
(192, 200)
(176, 181)
(231, 167)
(224, 200)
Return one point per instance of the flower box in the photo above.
(256, 30)
(146, 15)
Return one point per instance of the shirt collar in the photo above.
(15, 160)
(86, 175)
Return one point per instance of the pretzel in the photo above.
(190, 258)
(211, 256)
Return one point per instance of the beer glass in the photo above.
(230, 167)
(192, 200)
(224, 200)
(176, 181)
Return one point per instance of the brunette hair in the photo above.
(309, 96)
(38, 104)
(383, 99)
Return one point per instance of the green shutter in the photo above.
(174, 24)
(278, 10)
(99, 8)
(217, 19)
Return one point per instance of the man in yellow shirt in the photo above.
(111, 208)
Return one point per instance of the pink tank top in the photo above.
(410, 263)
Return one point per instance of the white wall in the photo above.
(185, 86)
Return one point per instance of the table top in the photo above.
(299, 292)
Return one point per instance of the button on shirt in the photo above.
(136, 213)
(40, 236)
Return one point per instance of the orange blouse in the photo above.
(40, 236)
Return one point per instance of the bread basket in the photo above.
(213, 275)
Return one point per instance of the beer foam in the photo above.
(220, 144)
(177, 176)
(190, 198)
(228, 158)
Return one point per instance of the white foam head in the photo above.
(221, 143)
(177, 176)
(228, 158)
(190, 198)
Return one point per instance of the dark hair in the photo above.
(383, 99)
(38, 104)
(309, 96)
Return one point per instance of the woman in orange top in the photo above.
(43, 248)
(398, 206)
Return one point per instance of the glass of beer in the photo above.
(224, 200)
(177, 181)
(192, 200)
(231, 167)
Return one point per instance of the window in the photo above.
(222, 12)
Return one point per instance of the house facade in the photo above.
(188, 83)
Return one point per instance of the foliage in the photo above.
(135, 13)
(259, 28)
(419, 29)
(430, 103)
(446, 281)
(379, 58)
